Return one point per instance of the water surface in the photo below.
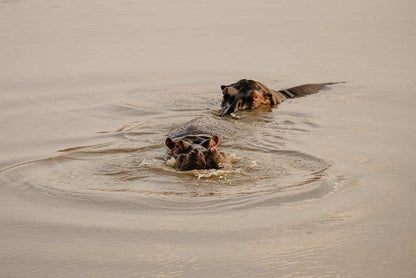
(322, 186)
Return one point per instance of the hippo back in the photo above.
(206, 125)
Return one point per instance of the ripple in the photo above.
(256, 178)
(131, 167)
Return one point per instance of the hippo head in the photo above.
(198, 155)
(195, 159)
(245, 94)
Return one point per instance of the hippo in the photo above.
(195, 144)
(249, 94)
(196, 152)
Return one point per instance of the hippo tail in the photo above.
(304, 90)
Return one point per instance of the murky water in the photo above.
(133, 157)
(322, 186)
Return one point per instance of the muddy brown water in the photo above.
(322, 186)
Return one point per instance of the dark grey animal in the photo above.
(195, 145)
(250, 94)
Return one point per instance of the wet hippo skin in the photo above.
(196, 152)
(195, 145)
(250, 94)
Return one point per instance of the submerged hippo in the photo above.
(195, 144)
(250, 94)
(196, 152)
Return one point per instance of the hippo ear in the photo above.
(223, 87)
(169, 142)
(213, 142)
